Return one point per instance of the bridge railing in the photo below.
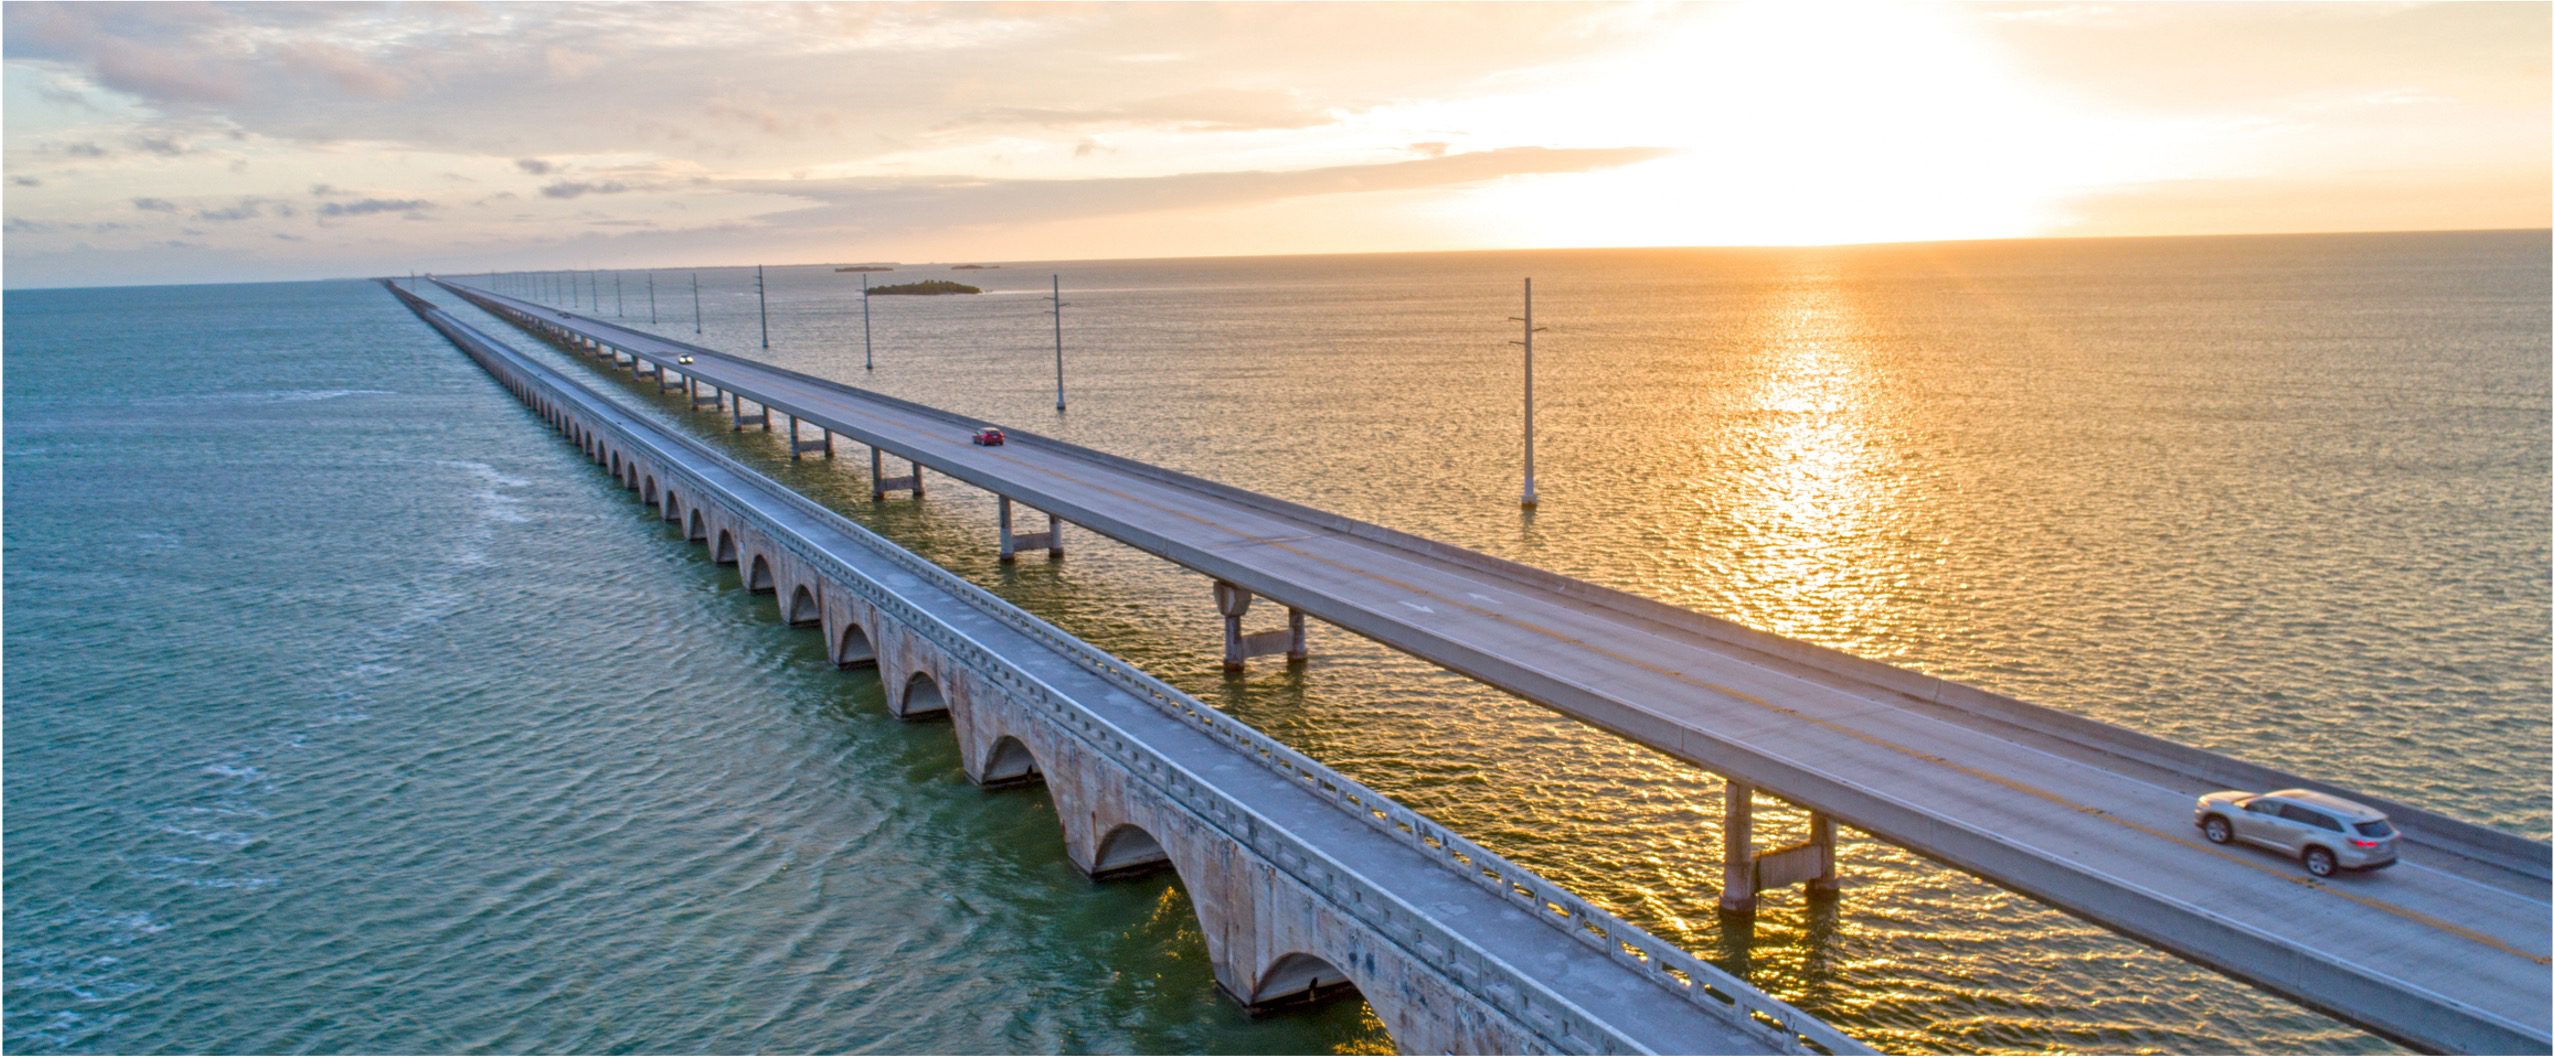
(1680, 973)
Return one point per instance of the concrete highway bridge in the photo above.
(2448, 951)
(1305, 883)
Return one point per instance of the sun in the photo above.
(1798, 124)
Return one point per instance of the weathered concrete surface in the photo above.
(1303, 880)
(2447, 951)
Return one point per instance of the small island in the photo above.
(865, 268)
(928, 286)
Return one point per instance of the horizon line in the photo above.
(1880, 244)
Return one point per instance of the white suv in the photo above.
(2327, 833)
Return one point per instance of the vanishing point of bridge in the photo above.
(2448, 951)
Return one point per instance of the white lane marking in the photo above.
(1416, 606)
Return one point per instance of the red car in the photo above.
(988, 436)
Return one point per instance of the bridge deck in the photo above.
(2447, 951)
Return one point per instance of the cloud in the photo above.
(940, 202)
(1204, 110)
(342, 67)
(84, 150)
(535, 166)
(160, 145)
(1430, 149)
(1089, 147)
(23, 226)
(249, 208)
(325, 191)
(575, 188)
(288, 236)
(155, 205)
(367, 206)
(26, 181)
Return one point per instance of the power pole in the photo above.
(763, 305)
(1056, 294)
(696, 303)
(868, 358)
(651, 299)
(1527, 501)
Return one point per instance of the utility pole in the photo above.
(651, 299)
(696, 303)
(1527, 501)
(763, 305)
(1056, 294)
(868, 358)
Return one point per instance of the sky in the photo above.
(159, 143)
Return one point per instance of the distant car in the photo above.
(683, 359)
(2327, 833)
(987, 435)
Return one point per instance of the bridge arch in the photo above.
(852, 649)
(758, 574)
(920, 697)
(804, 608)
(725, 552)
(647, 491)
(1011, 763)
(612, 461)
(699, 528)
(1128, 850)
(672, 509)
(1300, 980)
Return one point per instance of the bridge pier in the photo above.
(1014, 543)
(1233, 601)
(880, 484)
(764, 419)
(1745, 873)
(798, 448)
(666, 385)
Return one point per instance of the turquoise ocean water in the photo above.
(349, 710)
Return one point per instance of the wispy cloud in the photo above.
(364, 207)
(578, 188)
(889, 205)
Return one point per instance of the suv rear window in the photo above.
(2377, 829)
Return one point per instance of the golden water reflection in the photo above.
(1818, 497)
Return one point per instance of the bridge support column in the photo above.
(699, 402)
(798, 448)
(880, 484)
(665, 385)
(1745, 873)
(1014, 543)
(1233, 600)
(1737, 847)
(763, 418)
